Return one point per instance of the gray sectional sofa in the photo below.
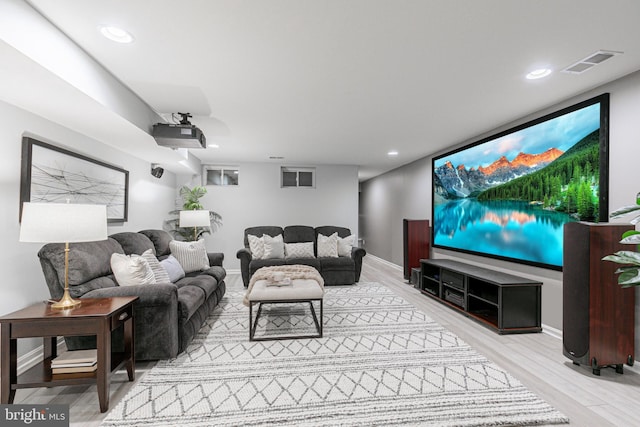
(343, 270)
(167, 315)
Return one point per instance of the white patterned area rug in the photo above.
(381, 362)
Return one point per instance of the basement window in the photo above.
(297, 177)
(220, 175)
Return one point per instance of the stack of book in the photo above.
(75, 361)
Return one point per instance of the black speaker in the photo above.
(598, 315)
(157, 171)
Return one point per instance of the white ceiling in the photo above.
(341, 81)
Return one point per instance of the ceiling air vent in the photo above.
(590, 61)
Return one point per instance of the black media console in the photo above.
(503, 302)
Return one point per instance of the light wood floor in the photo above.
(535, 359)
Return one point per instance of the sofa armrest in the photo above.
(244, 253)
(215, 271)
(215, 258)
(150, 295)
(245, 257)
(357, 254)
(156, 317)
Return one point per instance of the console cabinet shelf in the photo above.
(503, 302)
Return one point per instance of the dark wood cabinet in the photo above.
(598, 315)
(503, 302)
(416, 243)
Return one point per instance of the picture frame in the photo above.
(51, 174)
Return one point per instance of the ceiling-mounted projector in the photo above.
(181, 135)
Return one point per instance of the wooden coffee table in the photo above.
(95, 316)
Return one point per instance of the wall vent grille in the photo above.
(590, 61)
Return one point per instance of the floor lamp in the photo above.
(195, 219)
(63, 223)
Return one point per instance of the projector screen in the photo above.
(508, 196)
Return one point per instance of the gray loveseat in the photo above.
(344, 270)
(167, 315)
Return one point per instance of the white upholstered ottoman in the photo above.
(300, 290)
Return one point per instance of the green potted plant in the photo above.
(629, 273)
(191, 201)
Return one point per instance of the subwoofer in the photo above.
(598, 314)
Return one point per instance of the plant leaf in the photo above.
(631, 238)
(624, 257)
(623, 211)
(629, 233)
(630, 276)
(623, 269)
(184, 191)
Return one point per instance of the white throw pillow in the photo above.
(273, 246)
(256, 245)
(159, 272)
(131, 270)
(328, 245)
(299, 250)
(192, 256)
(345, 244)
(173, 268)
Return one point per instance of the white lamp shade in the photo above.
(63, 222)
(197, 218)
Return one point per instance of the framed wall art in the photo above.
(50, 174)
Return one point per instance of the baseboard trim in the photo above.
(551, 331)
(387, 263)
(35, 356)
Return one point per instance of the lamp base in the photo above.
(66, 302)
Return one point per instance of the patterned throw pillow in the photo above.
(159, 272)
(328, 245)
(256, 245)
(344, 245)
(192, 256)
(273, 246)
(173, 268)
(131, 270)
(299, 250)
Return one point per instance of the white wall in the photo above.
(149, 200)
(259, 200)
(406, 193)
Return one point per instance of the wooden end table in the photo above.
(95, 316)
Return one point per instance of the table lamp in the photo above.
(63, 223)
(195, 219)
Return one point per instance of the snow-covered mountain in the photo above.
(458, 181)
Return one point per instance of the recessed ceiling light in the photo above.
(539, 73)
(213, 146)
(116, 34)
(392, 153)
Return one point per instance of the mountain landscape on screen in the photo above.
(509, 196)
(569, 184)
